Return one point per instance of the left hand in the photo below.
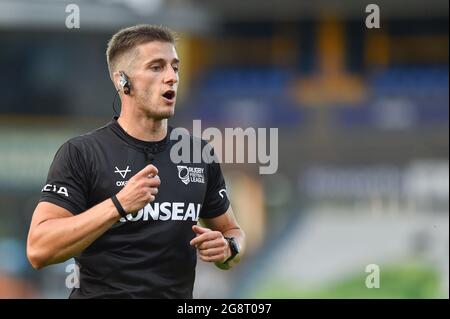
(211, 245)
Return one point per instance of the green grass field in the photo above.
(396, 282)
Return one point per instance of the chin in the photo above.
(160, 113)
(164, 115)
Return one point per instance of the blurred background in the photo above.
(362, 114)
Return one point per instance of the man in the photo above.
(116, 202)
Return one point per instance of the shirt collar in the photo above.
(146, 146)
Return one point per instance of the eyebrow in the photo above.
(161, 60)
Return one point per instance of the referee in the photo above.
(116, 202)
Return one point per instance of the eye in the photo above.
(156, 68)
(176, 68)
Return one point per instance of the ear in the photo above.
(116, 80)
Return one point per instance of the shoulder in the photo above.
(85, 143)
(80, 150)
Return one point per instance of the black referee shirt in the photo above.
(148, 255)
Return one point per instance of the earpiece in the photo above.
(124, 83)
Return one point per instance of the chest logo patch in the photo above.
(191, 174)
(122, 172)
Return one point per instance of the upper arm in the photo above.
(216, 199)
(38, 247)
(67, 181)
(223, 222)
(46, 211)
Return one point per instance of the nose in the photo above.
(171, 77)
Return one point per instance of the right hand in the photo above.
(140, 189)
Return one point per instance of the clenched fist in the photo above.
(211, 245)
(140, 190)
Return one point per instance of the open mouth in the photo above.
(170, 94)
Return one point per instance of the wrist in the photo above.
(118, 206)
(113, 213)
(122, 201)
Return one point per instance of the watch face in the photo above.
(234, 246)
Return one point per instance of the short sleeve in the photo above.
(67, 184)
(216, 199)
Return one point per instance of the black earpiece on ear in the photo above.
(124, 83)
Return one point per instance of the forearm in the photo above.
(56, 240)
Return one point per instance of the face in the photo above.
(154, 79)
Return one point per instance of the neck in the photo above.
(143, 128)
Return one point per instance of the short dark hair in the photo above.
(127, 39)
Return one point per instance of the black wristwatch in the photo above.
(234, 248)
